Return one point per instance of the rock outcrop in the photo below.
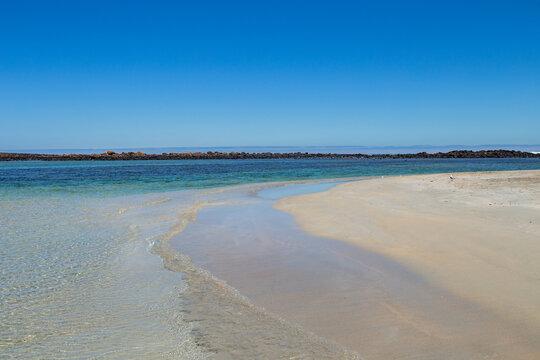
(113, 156)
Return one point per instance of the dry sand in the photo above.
(475, 238)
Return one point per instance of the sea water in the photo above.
(86, 270)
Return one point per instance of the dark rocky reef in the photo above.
(113, 156)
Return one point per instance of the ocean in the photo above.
(88, 270)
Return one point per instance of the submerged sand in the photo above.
(474, 239)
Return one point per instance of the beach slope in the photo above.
(473, 235)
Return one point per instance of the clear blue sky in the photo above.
(77, 74)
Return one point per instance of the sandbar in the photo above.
(472, 236)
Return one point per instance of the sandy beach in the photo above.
(474, 238)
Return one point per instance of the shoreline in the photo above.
(220, 313)
(472, 237)
(358, 298)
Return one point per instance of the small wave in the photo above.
(158, 202)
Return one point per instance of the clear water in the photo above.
(86, 270)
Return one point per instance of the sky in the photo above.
(110, 74)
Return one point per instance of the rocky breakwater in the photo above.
(114, 156)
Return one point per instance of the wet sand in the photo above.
(473, 244)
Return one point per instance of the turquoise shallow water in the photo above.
(81, 274)
(99, 178)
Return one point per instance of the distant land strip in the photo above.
(114, 156)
